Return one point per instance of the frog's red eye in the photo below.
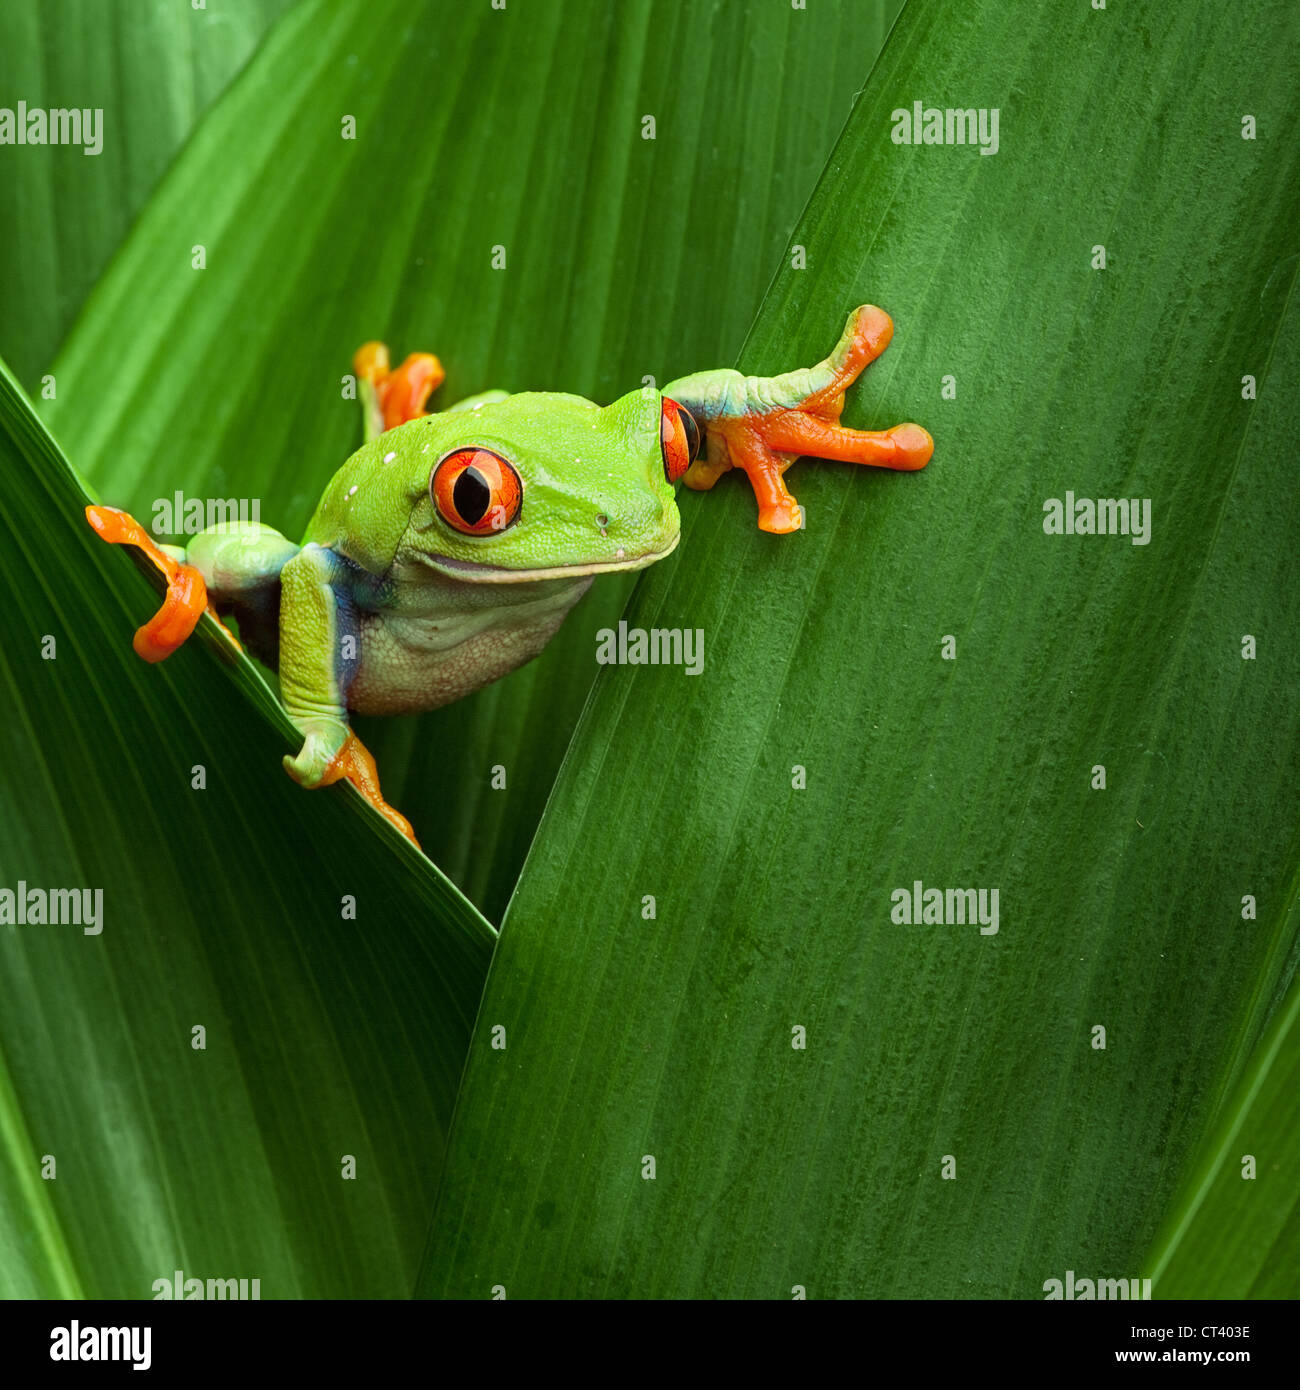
(679, 439)
(476, 491)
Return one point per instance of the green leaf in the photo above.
(520, 128)
(151, 67)
(672, 1037)
(1234, 1233)
(126, 1152)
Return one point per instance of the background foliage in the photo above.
(671, 1036)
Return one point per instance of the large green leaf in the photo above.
(1119, 908)
(151, 67)
(519, 128)
(327, 1033)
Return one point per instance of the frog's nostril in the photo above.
(602, 520)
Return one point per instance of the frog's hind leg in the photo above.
(390, 397)
(240, 563)
(222, 568)
(186, 597)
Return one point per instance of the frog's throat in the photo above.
(471, 572)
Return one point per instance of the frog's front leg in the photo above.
(319, 651)
(762, 424)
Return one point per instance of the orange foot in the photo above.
(797, 415)
(355, 763)
(186, 597)
(399, 395)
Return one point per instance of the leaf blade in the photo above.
(151, 69)
(220, 1161)
(672, 1038)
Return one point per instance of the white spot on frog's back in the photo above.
(354, 489)
(389, 457)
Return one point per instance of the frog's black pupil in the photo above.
(692, 432)
(472, 496)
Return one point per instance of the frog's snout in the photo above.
(642, 532)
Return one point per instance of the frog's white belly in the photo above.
(439, 639)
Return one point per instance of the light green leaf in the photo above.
(1234, 1232)
(519, 128)
(822, 1168)
(126, 1152)
(151, 68)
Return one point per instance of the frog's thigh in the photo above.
(238, 558)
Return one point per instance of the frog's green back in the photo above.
(366, 507)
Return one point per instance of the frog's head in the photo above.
(546, 486)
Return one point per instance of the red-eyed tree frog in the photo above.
(449, 548)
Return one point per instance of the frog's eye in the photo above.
(476, 491)
(679, 439)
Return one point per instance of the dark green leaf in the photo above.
(222, 908)
(822, 1168)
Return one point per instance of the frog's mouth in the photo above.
(477, 573)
